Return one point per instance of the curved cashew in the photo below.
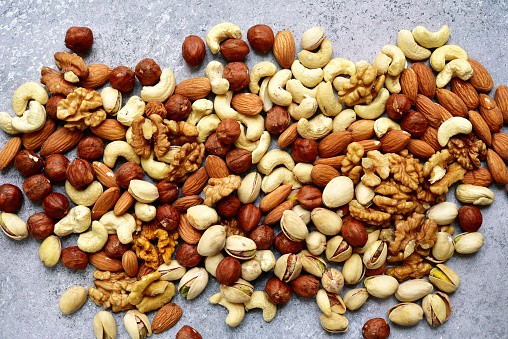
(342, 121)
(207, 126)
(144, 212)
(85, 197)
(264, 144)
(429, 39)
(274, 158)
(276, 91)
(76, 221)
(94, 240)
(476, 195)
(326, 100)
(263, 94)
(316, 128)
(134, 108)
(260, 300)
(456, 68)
(154, 169)
(451, 127)
(6, 123)
(214, 72)
(375, 108)
(244, 143)
(200, 109)
(338, 83)
(299, 91)
(446, 53)
(32, 120)
(236, 311)
(392, 83)
(306, 109)
(398, 59)
(123, 225)
(260, 70)
(25, 92)
(221, 32)
(318, 59)
(117, 149)
(338, 66)
(381, 63)
(169, 156)
(279, 176)
(410, 48)
(302, 172)
(383, 125)
(164, 88)
(307, 76)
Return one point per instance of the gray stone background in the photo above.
(128, 31)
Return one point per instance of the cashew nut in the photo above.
(274, 158)
(164, 88)
(144, 212)
(446, 53)
(244, 143)
(207, 126)
(411, 49)
(308, 77)
(263, 94)
(168, 157)
(398, 59)
(123, 225)
(221, 32)
(316, 128)
(117, 149)
(214, 72)
(317, 59)
(326, 100)
(392, 83)
(262, 69)
(94, 240)
(476, 195)
(279, 176)
(26, 92)
(383, 125)
(154, 169)
(6, 123)
(134, 108)
(338, 66)
(260, 300)
(451, 127)
(456, 68)
(276, 91)
(236, 311)
(429, 39)
(31, 121)
(200, 109)
(375, 108)
(264, 143)
(302, 172)
(381, 63)
(342, 121)
(299, 91)
(306, 109)
(76, 221)
(87, 196)
(338, 83)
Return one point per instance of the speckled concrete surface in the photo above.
(128, 31)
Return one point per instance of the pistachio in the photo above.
(104, 325)
(405, 314)
(143, 191)
(381, 286)
(193, 283)
(251, 269)
(443, 213)
(137, 324)
(373, 237)
(337, 249)
(293, 226)
(239, 292)
(212, 262)
(436, 308)
(13, 226)
(201, 217)
(240, 247)
(212, 241)
(354, 299)
(72, 299)
(266, 260)
(111, 100)
(353, 270)
(326, 221)
(336, 323)
(302, 213)
(50, 250)
(288, 267)
(364, 194)
(443, 248)
(313, 264)
(171, 272)
(338, 192)
(444, 278)
(316, 242)
(413, 290)
(375, 256)
(249, 188)
(330, 303)
(467, 243)
(333, 280)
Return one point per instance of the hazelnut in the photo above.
(248, 217)
(234, 49)
(193, 50)
(354, 233)
(376, 328)
(397, 106)
(277, 120)
(56, 205)
(178, 107)
(277, 291)
(127, 172)
(40, 225)
(285, 245)
(304, 150)
(214, 147)
(52, 105)
(228, 206)
(470, 218)
(79, 39)
(74, 258)
(114, 248)
(122, 78)
(168, 192)
(415, 123)
(168, 217)
(90, 148)
(188, 332)
(309, 197)
(228, 271)
(148, 72)
(261, 38)
(187, 255)
(305, 286)
(56, 167)
(37, 187)
(228, 131)
(239, 160)
(263, 237)
(10, 198)
(80, 173)
(369, 272)
(28, 163)
(237, 73)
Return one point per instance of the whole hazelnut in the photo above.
(228, 271)
(239, 160)
(415, 123)
(56, 167)
(79, 39)
(80, 173)
(168, 192)
(114, 248)
(74, 258)
(397, 106)
(168, 217)
(122, 78)
(354, 233)
(248, 217)
(263, 237)
(228, 206)
(305, 286)
(187, 255)
(193, 50)
(178, 107)
(28, 163)
(40, 225)
(228, 131)
(127, 172)
(90, 148)
(37, 187)
(234, 49)
(237, 73)
(188, 332)
(56, 205)
(52, 105)
(304, 150)
(285, 245)
(261, 38)
(10, 198)
(215, 147)
(470, 218)
(277, 291)
(309, 197)
(277, 120)
(376, 328)
(148, 72)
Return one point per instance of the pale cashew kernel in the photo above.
(32, 120)
(28, 91)
(207, 126)
(221, 32)
(429, 39)
(263, 94)
(214, 72)
(306, 109)
(411, 49)
(342, 121)
(338, 66)
(261, 70)
(299, 91)
(236, 311)
(244, 143)
(200, 109)
(456, 68)
(476, 195)
(117, 149)
(260, 300)
(398, 59)
(375, 108)
(123, 225)
(317, 59)
(392, 83)
(167, 158)
(451, 127)
(316, 128)
(87, 196)
(154, 169)
(145, 212)
(6, 123)
(162, 90)
(383, 125)
(327, 102)
(94, 240)
(134, 108)
(302, 172)
(276, 91)
(264, 144)
(76, 221)
(381, 63)
(338, 83)
(308, 77)
(446, 53)
(279, 176)
(274, 158)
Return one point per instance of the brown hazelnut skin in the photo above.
(56, 205)
(277, 291)
(305, 286)
(278, 120)
(193, 50)
(114, 248)
(127, 172)
(415, 123)
(239, 160)
(354, 233)
(28, 163)
(376, 328)
(369, 272)
(261, 38)
(397, 106)
(56, 167)
(228, 271)
(228, 206)
(80, 173)
(148, 72)
(228, 131)
(187, 255)
(74, 258)
(40, 225)
(304, 150)
(10, 198)
(188, 332)
(237, 73)
(178, 107)
(37, 187)
(285, 245)
(215, 147)
(168, 192)
(79, 39)
(52, 105)
(122, 78)
(168, 217)
(309, 197)
(234, 49)
(470, 218)
(248, 217)
(90, 148)
(263, 237)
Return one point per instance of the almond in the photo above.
(370, 145)
(481, 79)
(33, 141)
(394, 141)
(105, 202)
(480, 127)
(497, 167)
(61, 141)
(184, 203)
(130, 263)
(98, 74)
(409, 84)
(334, 143)
(362, 129)
(429, 109)
(501, 98)
(110, 129)
(478, 177)
(500, 144)
(335, 162)
(426, 80)
(430, 137)
(322, 174)
(420, 148)
(166, 317)
(284, 48)
(247, 103)
(124, 203)
(104, 174)
(490, 113)
(275, 215)
(216, 167)
(194, 88)
(275, 198)
(188, 233)
(195, 183)
(9, 152)
(288, 136)
(451, 102)
(445, 114)
(104, 263)
(466, 92)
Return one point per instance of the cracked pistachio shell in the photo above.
(201, 217)
(336, 323)
(212, 262)
(373, 237)
(337, 249)
(50, 250)
(143, 191)
(249, 188)
(443, 248)
(111, 100)
(436, 308)
(375, 256)
(405, 314)
(330, 303)
(443, 213)
(293, 226)
(288, 267)
(251, 269)
(238, 292)
(104, 325)
(212, 241)
(13, 226)
(137, 324)
(333, 280)
(354, 299)
(193, 283)
(302, 213)
(381, 286)
(266, 259)
(313, 264)
(444, 278)
(413, 290)
(353, 269)
(240, 247)
(467, 243)
(364, 194)
(316, 242)
(326, 221)
(171, 272)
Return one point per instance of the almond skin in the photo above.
(481, 79)
(426, 79)
(370, 145)
(33, 141)
(276, 214)
(478, 177)
(166, 317)
(130, 263)
(500, 144)
(361, 129)
(195, 183)
(110, 129)
(275, 198)
(194, 88)
(105, 202)
(409, 84)
(124, 203)
(104, 263)
(247, 103)
(497, 167)
(490, 113)
(335, 162)
(216, 167)
(104, 174)
(451, 102)
(334, 143)
(420, 148)
(61, 141)
(9, 152)
(284, 48)
(430, 137)
(466, 92)
(188, 233)
(429, 109)
(501, 98)
(288, 136)
(322, 174)
(98, 74)
(184, 203)
(394, 141)
(480, 127)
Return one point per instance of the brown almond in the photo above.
(478, 177)
(334, 143)
(216, 167)
(420, 148)
(322, 174)
(430, 137)
(497, 167)
(124, 203)
(288, 136)
(195, 183)
(104, 174)
(409, 84)
(194, 88)
(429, 109)
(98, 74)
(9, 152)
(61, 141)
(501, 98)
(361, 129)
(275, 215)
(335, 162)
(426, 80)
(184, 203)
(480, 127)
(284, 48)
(166, 317)
(247, 103)
(481, 79)
(451, 102)
(370, 145)
(490, 113)
(130, 263)
(466, 92)
(275, 198)
(33, 141)
(110, 129)
(445, 114)
(105, 202)
(104, 263)
(394, 141)
(188, 233)
(500, 144)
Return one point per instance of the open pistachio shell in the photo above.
(354, 299)
(137, 324)
(336, 323)
(193, 282)
(337, 249)
(375, 256)
(468, 243)
(212, 262)
(373, 237)
(171, 272)
(405, 314)
(413, 290)
(443, 248)
(330, 303)
(293, 226)
(13, 226)
(104, 325)
(212, 241)
(444, 278)
(239, 292)
(437, 308)
(353, 270)
(288, 267)
(326, 221)
(313, 264)
(333, 280)
(249, 189)
(381, 286)
(240, 247)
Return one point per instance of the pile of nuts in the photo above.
(332, 186)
